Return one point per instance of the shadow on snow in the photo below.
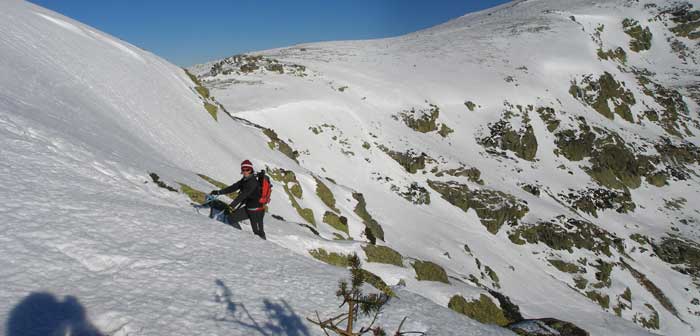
(280, 318)
(41, 314)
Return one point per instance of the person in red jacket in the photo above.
(249, 196)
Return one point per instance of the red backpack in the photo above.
(265, 188)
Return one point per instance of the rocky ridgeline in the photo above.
(249, 64)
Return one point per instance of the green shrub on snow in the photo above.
(429, 271)
(383, 254)
(483, 310)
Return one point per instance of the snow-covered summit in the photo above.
(534, 160)
(546, 150)
(90, 244)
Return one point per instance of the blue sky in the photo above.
(191, 32)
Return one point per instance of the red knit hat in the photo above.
(247, 164)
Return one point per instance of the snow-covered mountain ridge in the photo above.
(541, 150)
(89, 244)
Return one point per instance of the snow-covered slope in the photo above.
(89, 242)
(543, 149)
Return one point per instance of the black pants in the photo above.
(256, 220)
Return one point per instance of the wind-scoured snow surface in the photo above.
(89, 245)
